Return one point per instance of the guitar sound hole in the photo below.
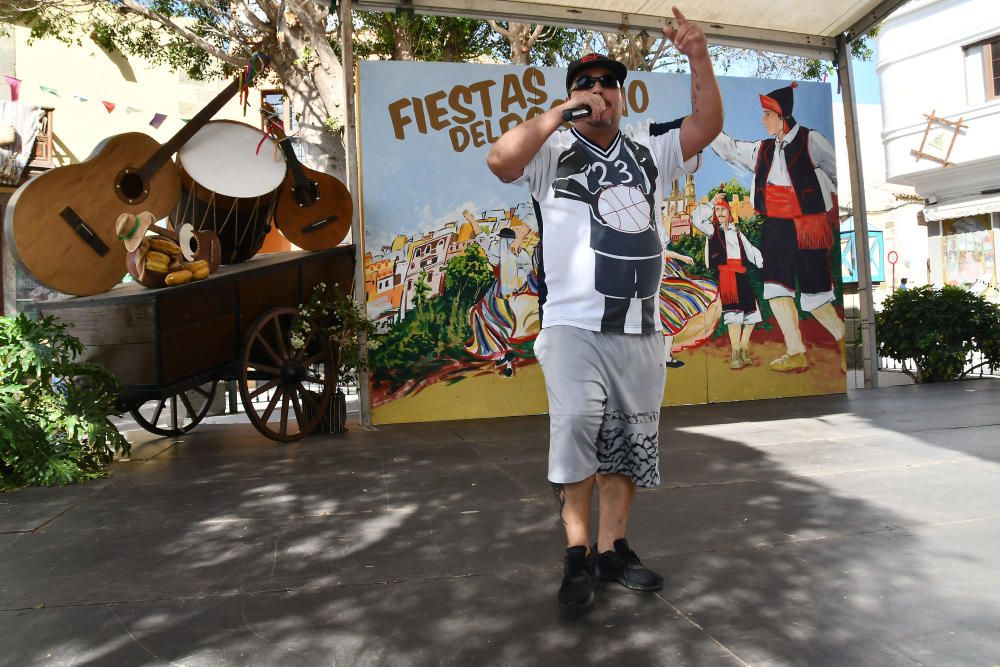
(306, 193)
(130, 187)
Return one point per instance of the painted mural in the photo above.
(451, 253)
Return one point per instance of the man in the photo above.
(794, 188)
(728, 252)
(597, 194)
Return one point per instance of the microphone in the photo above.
(575, 114)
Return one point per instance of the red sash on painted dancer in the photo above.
(727, 281)
(812, 230)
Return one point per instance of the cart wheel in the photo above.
(278, 380)
(178, 413)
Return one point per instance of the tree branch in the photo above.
(166, 22)
(500, 29)
(255, 20)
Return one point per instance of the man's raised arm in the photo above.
(705, 121)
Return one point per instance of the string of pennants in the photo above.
(15, 93)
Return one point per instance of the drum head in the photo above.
(223, 157)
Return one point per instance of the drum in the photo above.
(229, 187)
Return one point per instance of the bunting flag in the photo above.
(15, 87)
(155, 122)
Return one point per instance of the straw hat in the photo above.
(132, 228)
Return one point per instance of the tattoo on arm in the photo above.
(560, 494)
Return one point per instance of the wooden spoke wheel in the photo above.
(175, 414)
(286, 390)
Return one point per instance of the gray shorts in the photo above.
(605, 391)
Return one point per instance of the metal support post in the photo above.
(869, 348)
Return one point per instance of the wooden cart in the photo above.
(171, 347)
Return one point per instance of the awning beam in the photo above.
(872, 18)
(800, 44)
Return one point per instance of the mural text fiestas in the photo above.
(477, 114)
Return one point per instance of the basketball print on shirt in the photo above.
(618, 185)
(624, 208)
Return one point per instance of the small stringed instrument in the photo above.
(314, 209)
(61, 224)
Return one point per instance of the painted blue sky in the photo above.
(419, 183)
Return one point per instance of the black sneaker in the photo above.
(577, 589)
(623, 566)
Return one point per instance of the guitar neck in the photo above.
(160, 157)
(291, 159)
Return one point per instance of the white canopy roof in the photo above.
(801, 27)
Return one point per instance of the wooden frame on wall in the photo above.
(956, 127)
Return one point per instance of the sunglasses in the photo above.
(586, 82)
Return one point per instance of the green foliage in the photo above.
(162, 47)
(421, 289)
(467, 275)
(54, 426)
(555, 47)
(435, 333)
(936, 330)
(344, 322)
(861, 49)
(435, 38)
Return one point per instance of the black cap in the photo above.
(595, 60)
(782, 98)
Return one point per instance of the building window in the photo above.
(991, 64)
(41, 155)
(290, 124)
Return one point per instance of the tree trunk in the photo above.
(314, 87)
(521, 37)
(403, 47)
(636, 52)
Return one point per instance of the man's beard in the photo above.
(600, 122)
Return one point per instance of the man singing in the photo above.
(597, 193)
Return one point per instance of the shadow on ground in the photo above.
(857, 530)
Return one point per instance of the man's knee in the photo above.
(614, 479)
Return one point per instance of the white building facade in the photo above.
(939, 72)
(892, 208)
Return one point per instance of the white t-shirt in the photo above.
(600, 227)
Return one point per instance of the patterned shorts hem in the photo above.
(640, 481)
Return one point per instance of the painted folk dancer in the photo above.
(597, 192)
(728, 252)
(794, 188)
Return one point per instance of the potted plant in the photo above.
(344, 323)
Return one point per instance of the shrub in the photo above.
(937, 330)
(54, 426)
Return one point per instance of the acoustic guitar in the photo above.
(61, 224)
(314, 209)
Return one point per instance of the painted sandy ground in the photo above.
(705, 377)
